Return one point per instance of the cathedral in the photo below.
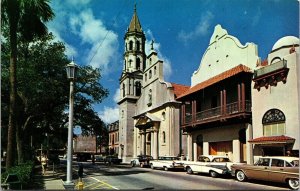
(148, 110)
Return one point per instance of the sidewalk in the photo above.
(51, 180)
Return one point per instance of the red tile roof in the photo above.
(231, 72)
(179, 89)
(272, 139)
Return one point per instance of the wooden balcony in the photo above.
(217, 114)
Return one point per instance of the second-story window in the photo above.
(138, 63)
(273, 123)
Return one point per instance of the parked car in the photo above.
(99, 158)
(141, 160)
(276, 169)
(112, 159)
(167, 162)
(213, 165)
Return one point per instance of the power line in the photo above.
(107, 33)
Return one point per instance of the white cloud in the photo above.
(111, 114)
(103, 42)
(70, 50)
(201, 28)
(117, 95)
(156, 46)
(78, 2)
(79, 23)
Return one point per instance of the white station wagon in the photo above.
(167, 162)
(213, 165)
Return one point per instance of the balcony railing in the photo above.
(213, 112)
(270, 68)
(216, 113)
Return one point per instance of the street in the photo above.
(124, 177)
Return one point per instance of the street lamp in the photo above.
(71, 71)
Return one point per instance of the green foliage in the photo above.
(23, 171)
(43, 94)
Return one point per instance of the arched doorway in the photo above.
(199, 142)
(243, 149)
(148, 143)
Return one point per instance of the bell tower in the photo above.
(130, 84)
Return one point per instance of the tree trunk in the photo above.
(13, 23)
(20, 148)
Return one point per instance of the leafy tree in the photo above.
(43, 94)
(24, 18)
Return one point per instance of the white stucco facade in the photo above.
(223, 53)
(215, 82)
(283, 95)
(157, 103)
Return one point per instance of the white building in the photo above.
(275, 100)
(149, 112)
(216, 110)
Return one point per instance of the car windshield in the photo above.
(169, 158)
(295, 162)
(221, 159)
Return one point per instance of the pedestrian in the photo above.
(93, 159)
(44, 164)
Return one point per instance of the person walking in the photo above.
(44, 163)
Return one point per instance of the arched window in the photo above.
(149, 137)
(138, 63)
(145, 77)
(138, 88)
(163, 115)
(123, 90)
(130, 45)
(164, 137)
(130, 63)
(150, 98)
(137, 45)
(273, 123)
(154, 70)
(150, 74)
(113, 139)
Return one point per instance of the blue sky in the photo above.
(93, 32)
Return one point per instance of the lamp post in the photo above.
(71, 70)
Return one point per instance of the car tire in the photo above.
(151, 166)
(213, 174)
(293, 183)
(189, 170)
(166, 168)
(240, 176)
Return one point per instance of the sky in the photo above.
(93, 32)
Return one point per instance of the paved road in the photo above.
(124, 177)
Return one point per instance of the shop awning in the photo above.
(272, 140)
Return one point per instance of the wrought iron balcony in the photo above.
(218, 112)
(270, 68)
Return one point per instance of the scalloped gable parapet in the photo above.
(223, 53)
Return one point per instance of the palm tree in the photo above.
(25, 19)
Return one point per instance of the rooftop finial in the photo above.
(135, 7)
(152, 42)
